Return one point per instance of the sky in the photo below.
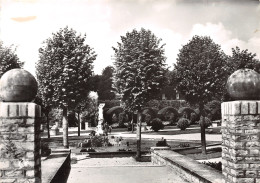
(230, 23)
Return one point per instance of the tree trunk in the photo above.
(132, 122)
(202, 127)
(48, 125)
(138, 130)
(65, 127)
(78, 124)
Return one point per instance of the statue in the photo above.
(100, 119)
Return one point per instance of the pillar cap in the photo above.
(244, 84)
(18, 85)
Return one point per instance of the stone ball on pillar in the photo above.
(18, 85)
(244, 84)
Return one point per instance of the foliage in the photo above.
(215, 165)
(241, 59)
(45, 150)
(157, 124)
(114, 118)
(90, 111)
(122, 118)
(110, 103)
(55, 115)
(88, 150)
(185, 112)
(214, 107)
(159, 104)
(140, 68)
(73, 121)
(98, 141)
(8, 59)
(182, 144)
(148, 119)
(105, 89)
(193, 117)
(64, 68)
(207, 122)
(183, 123)
(201, 70)
(168, 114)
(161, 143)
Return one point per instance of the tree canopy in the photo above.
(64, 68)
(201, 70)
(140, 67)
(8, 59)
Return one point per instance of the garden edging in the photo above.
(188, 168)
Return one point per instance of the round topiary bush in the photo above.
(183, 123)
(157, 124)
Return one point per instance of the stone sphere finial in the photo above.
(244, 84)
(18, 85)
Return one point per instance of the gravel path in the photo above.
(120, 170)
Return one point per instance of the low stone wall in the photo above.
(56, 167)
(189, 169)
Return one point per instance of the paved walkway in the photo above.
(120, 170)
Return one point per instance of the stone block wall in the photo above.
(240, 141)
(20, 159)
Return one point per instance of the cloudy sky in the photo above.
(27, 23)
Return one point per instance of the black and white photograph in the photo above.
(129, 91)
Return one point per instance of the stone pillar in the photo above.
(20, 121)
(240, 141)
(20, 159)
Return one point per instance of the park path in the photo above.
(120, 170)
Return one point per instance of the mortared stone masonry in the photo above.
(240, 141)
(20, 159)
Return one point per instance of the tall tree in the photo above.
(140, 70)
(63, 71)
(8, 59)
(201, 74)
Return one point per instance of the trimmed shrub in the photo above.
(157, 124)
(88, 150)
(147, 119)
(193, 117)
(215, 165)
(183, 123)
(159, 104)
(161, 143)
(45, 150)
(215, 108)
(185, 112)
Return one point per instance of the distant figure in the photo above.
(110, 129)
(117, 141)
(120, 140)
(106, 128)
